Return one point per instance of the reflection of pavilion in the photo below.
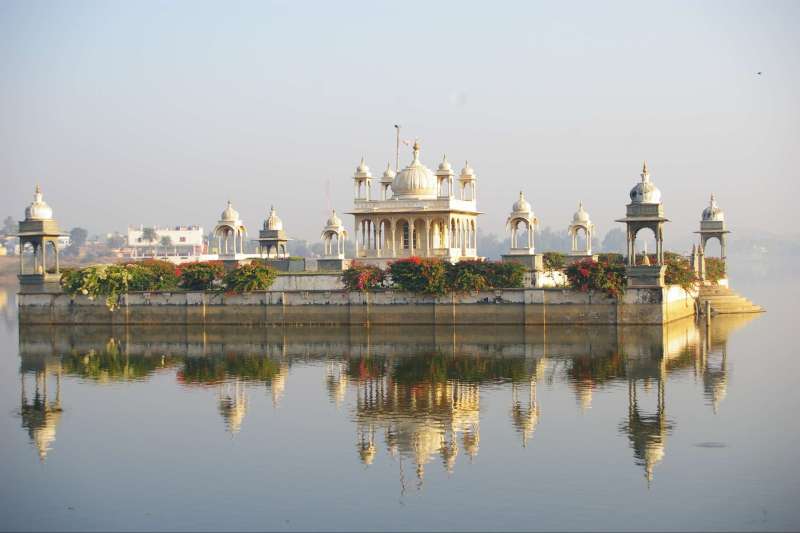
(418, 420)
(40, 415)
(524, 417)
(232, 404)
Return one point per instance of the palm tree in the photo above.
(149, 235)
(166, 242)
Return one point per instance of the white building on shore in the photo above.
(178, 241)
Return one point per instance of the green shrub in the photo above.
(679, 271)
(505, 275)
(252, 277)
(553, 260)
(611, 258)
(586, 275)
(715, 269)
(200, 276)
(363, 277)
(109, 281)
(466, 276)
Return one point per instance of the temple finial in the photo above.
(38, 189)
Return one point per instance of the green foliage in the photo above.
(109, 281)
(200, 276)
(467, 276)
(78, 237)
(363, 277)
(611, 258)
(679, 271)
(217, 369)
(110, 364)
(149, 235)
(252, 277)
(153, 275)
(553, 260)
(715, 269)
(587, 274)
(505, 275)
(166, 241)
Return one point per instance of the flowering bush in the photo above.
(553, 260)
(679, 271)
(715, 269)
(587, 274)
(427, 276)
(363, 277)
(200, 276)
(252, 277)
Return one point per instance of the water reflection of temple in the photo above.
(415, 391)
(40, 406)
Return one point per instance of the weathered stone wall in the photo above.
(507, 306)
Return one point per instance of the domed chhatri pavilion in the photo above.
(230, 233)
(419, 213)
(272, 238)
(38, 241)
(581, 222)
(712, 226)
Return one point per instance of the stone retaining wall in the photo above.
(336, 307)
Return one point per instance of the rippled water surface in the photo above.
(680, 427)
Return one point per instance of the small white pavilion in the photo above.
(581, 223)
(712, 226)
(333, 237)
(230, 233)
(522, 220)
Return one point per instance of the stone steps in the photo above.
(724, 300)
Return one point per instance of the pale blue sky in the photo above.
(158, 112)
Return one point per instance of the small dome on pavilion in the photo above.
(229, 214)
(467, 173)
(362, 171)
(334, 221)
(38, 210)
(580, 216)
(521, 205)
(388, 174)
(713, 211)
(645, 192)
(445, 167)
(273, 222)
(414, 180)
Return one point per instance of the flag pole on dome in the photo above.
(397, 149)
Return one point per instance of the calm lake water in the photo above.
(428, 428)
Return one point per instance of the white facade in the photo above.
(185, 241)
(419, 213)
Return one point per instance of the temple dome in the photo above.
(467, 173)
(334, 221)
(415, 180)
(445, 167)
(273, 222)
(38, 210)
(580, 216)
(229, 214)
(388, 174)
(521, 205)
(713, 212)
(362, 171)
(645, 192)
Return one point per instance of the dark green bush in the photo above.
(553, 260)
(252, 277)
(200, 276)
(427, 276)
(152, 275)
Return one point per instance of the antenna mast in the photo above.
(397, 150)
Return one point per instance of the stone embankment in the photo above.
(507, 306)
(724, 300)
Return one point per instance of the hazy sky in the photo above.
(159, 112)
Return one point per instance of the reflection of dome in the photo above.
(580, 216)
(273, 222)
(645, 192)
(415, 180)
(233, 406)
(230, 214)
(38, 210)
(713, 211)
(521, 205)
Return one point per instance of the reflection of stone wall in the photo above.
(509, 306)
